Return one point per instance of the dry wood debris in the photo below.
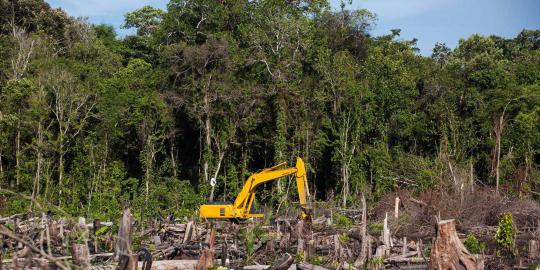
(45, 242)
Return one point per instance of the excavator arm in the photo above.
(241, 208)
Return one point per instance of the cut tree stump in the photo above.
(80, 251)
(449, 253)
(364, 237)
(123, 242)
(207, 257)
(80, 255)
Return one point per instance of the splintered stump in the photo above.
(534, 249)
(449, 253)
(79, 251)
(207, 256)
(123, 254)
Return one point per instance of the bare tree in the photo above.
(41, 128)
(499, 125)
(24, 45)
(71, 107)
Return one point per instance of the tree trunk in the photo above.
(280, 139)
(534, 249)
(123, 243)
(60, 171)
(221, 155)
(471, 175)
(173, 160)
(362, 258)
(498, 145)
(17, 156)
(206, 260)
(79, 251)
(345, 179)
(387, 239)
(150, 157)
(449, 253)
(1, 169)
(35, 190)
(207, 131)
(80, 255)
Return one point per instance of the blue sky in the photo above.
(429, 21)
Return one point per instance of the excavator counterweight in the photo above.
(242, 206)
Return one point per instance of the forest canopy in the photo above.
(218, 89)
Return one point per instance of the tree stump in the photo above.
(207, 256)
(80, 255)
(534, 249)
(309, 252)
(449, 253)
(123, 253)
(364, 248)
(79, 250)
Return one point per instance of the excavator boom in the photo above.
(241, 208)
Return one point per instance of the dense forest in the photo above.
(218, 89)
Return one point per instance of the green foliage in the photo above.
(145, 19)
(344, 238)
(16, 205)
(473, 244)
(251, 235)
(317, 260)
(342, 220)
(505, 236)
(102, 231)
(376, 261)
(375, 228)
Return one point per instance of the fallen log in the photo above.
(256, 267)
(401, 259)
(308, 266)
(173, 265)
(283, 263)
(266, 267)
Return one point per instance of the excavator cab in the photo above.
(243, 208)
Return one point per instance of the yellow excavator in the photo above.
(242, 209)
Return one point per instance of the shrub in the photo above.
(376, 262)
(252, 235)
(344, 238)
(375, 228)
(317, 260)
(342, 220)
(505, 235)
(473, 244)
